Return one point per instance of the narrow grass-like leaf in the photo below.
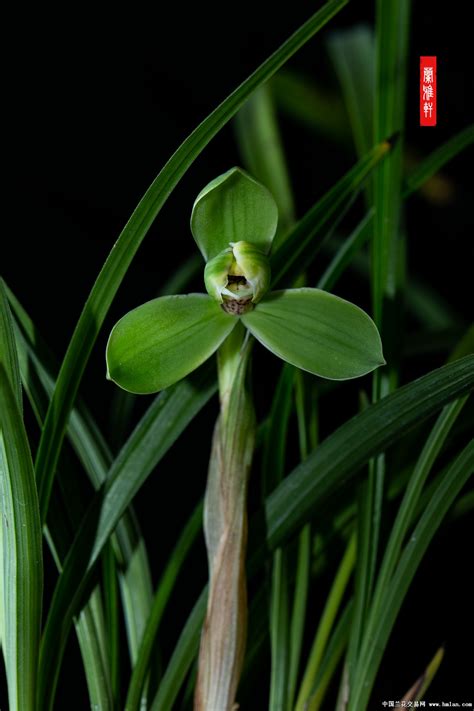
(162, 341)
(184, 653)
(258, 636)
(439, 157)
(115, 268)
(363, 574)
(22, 563)
(65, 515)
(332, 657)
(8, 353)
(160, 600)
(279, 631)
(381, 622)
(273, 465)
(90, 626)
(112, 616)
(134, 575)
(391, 57)
(387, 269)
(261, 148)
(302, 243)
(165, 420)
(298, 613)
(339, 457)
(9, 361)
(326, 624)
(430, 451)
(352, 53)
(318, 332)
(93, 453)
(159, 428)
(307, 434)
(346, 252)
(135, 582)
(274, 446)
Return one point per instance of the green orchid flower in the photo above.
(233, 221)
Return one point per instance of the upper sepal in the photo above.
(232, 208)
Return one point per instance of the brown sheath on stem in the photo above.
(225, 525)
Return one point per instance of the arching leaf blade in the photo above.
(22, 565)
(8, 354)
(339, 458)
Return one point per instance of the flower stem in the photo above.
(225, 527)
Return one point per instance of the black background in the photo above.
(99, 103)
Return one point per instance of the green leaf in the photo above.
(22, 564)
(326, 624)
(38, 373)
(115, 268)
(8, 353)
(303, 242)
(345, 254)
(182, 657)
(406, 512)
(111, 621)
(9, 361)
(339, 458)
(89, 624)
(261, 148)
(392, 21)
(318, 332)
(162, 341)
(352, 53)
(273, 466)
(382, 619)
(90, 627)
(307, 417)
(331, 659)
(164, 421)
(161, 599)
(232, 208)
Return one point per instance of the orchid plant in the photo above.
(234, 221)
(346, 519)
